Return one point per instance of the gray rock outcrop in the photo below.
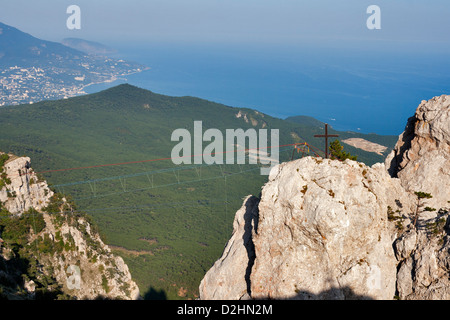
(229, 278)
(322, 233)
(325, 229)
(64, 245)
(102, 273)
(421, 157)
(423, 260)
(25, 190)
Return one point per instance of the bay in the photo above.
(351, 88)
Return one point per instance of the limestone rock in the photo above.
(67, 248)
(323, 232)
(229, 279)
(421, 157)
(421, 161)
(424, 257)
(326, 229)
(25, 190)
(102, 274)
(406, 244)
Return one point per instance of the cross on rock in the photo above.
(326, 136)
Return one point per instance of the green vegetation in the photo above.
(4, 180)
(169, 223)
(16, 232)
(3, 158)
(420, 196)
(309, 123)
(337, 152)
(437, 226)
(395, 216)
(28, 248)
(306, 121)
(423, 195)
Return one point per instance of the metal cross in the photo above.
(326, 135)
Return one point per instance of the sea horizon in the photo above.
(352, 89)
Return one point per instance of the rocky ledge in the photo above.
(48, 249)
(325, 229)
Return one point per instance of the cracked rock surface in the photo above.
(325, 229)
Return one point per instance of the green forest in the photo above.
(170, 223)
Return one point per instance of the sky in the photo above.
(236, 21)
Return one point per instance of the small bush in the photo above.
(437, 226)
(3, 158)
(423, 195)
(337, 152)
(393, 217)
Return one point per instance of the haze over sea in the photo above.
(282, 57)
(360, 89)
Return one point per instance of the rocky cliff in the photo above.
(20, 188)
(49, 250)
(421, 156)
(325, 229)
(421, 161)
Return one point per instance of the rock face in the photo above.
(424, 256)
(229, 277)
(322, 233)
(101, 273)
(325, 229)
(24, 191)
(421, 157)
(332, 239)
(65, 255)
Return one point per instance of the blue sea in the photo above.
(361, 89)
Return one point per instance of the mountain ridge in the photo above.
(33, 69)
(179, 208)
(89, 47)
(305, 120)
(16, 45)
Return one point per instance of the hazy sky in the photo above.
(267, 21)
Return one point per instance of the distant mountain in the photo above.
(169, 223)
(33, 70)
(22, 49)
(89, 47)
(306, 121)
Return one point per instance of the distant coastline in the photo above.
(288, 81)
(108, 81)
(34, 70)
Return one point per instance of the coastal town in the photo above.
(28, 85)
(21, 85)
